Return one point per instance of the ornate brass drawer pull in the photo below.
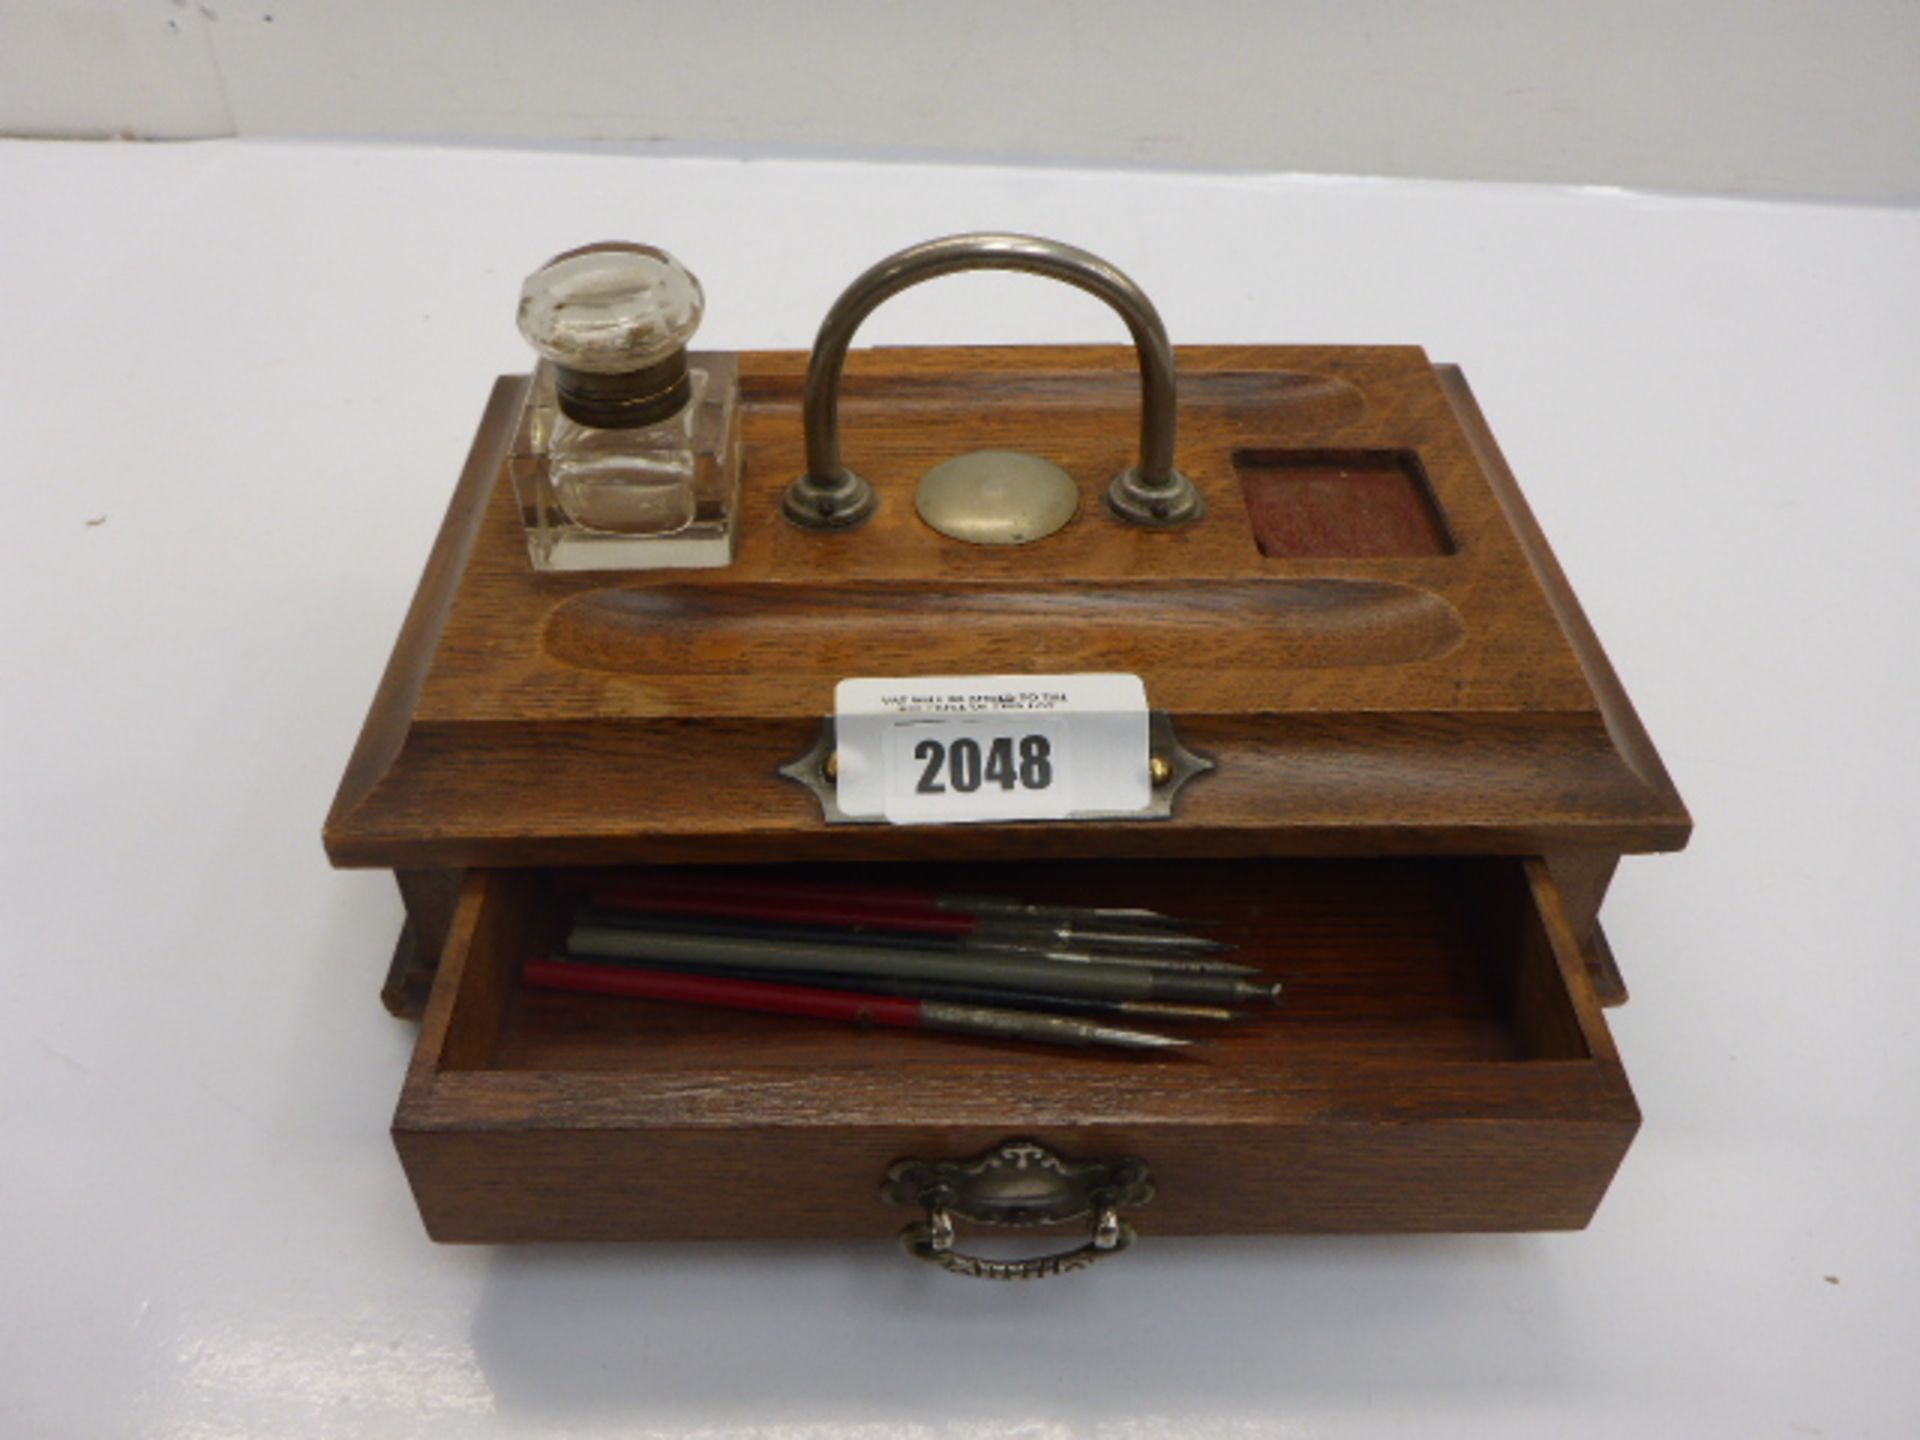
(1018, 1183)
(831, 497)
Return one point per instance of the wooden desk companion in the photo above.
(1424, 774)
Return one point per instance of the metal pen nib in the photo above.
(1166, 1010)
(1258, 990)
(1133, 915)
(1134, 1039)
(1172, 965)
(999, 907)
(1048, 1029)
(1169, 963)
(1138, 942)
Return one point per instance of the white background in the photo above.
(1781, 97)
(237, 385)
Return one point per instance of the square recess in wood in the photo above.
(1341, 504)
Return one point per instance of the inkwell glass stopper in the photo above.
(614, 319)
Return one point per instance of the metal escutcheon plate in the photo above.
(1172, 765)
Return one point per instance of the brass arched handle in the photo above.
(932, 1240)
(1017, 1183)
(831, 497)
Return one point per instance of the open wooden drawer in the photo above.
(1440, 1063)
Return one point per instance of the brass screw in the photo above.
(832, 768)
(1159, 768)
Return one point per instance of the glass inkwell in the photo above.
(626, 456)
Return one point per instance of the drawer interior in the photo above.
(1434, 1000)
(1394, 959)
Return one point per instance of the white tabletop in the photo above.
(238, 381)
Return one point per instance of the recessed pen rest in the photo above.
(1261, 626)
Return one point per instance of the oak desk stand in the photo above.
(1425, 772)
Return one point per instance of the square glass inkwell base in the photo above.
(626, 454)
(664, 496)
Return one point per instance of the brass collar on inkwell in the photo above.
(624, 402)
(623, 362)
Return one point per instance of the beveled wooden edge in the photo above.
(1630, 737)
(384, 733)
(1089, 840)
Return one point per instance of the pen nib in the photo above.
(1135, 1039)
